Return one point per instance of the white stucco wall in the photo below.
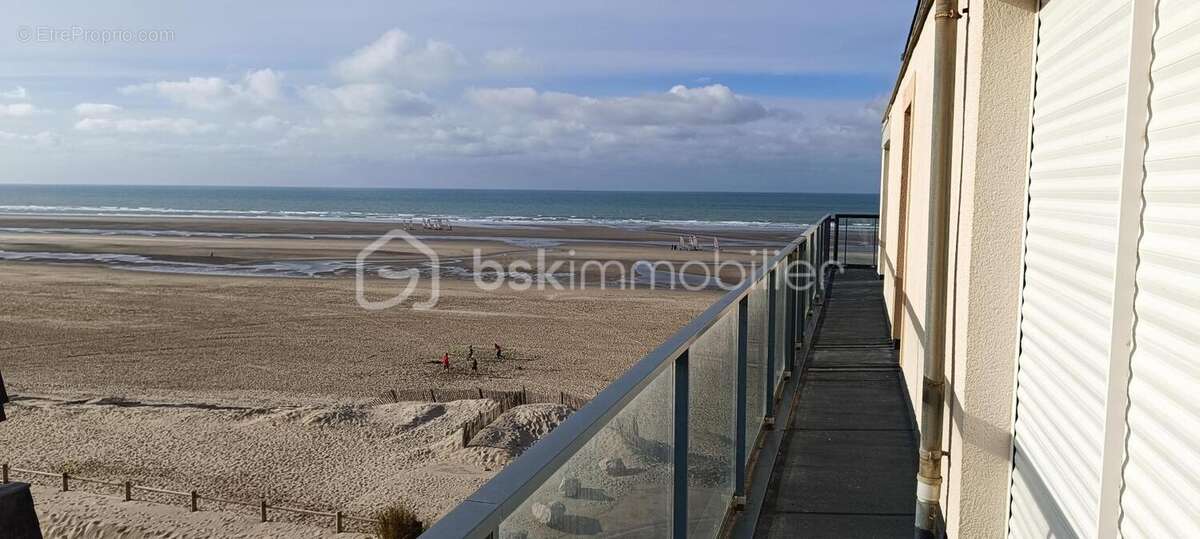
(995, 63)
(994, 147)
(914, 91)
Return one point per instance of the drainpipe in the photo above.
(929, 475)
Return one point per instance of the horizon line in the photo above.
(332, 188)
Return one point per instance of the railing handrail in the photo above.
(482, 512)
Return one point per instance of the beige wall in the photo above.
(914, 91)
(995, 62)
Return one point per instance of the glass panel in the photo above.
(618, 485)
(780, 322)
(712, 365)
(858, 241)
(756, 362)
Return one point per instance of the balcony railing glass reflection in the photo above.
(664, 450)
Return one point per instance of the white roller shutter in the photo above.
(1161, 496)
(1070, 251)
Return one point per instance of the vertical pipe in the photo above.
(929, 474)
(772, 340)
(739, 487)
(680, 500)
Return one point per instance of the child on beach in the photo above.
(446, 361)
(471, 356)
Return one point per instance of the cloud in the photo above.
(18, 110)
(44, 138)
(708, 105)
(96, 109)
(369, 99)
(16, 93)
(212, 93)
(266, 123)
(174, 126)
(508, 62)
(263, 86)
(395, 57)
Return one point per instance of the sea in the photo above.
(479, 207)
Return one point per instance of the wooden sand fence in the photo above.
(192, 498)
(506, 400)
(525, 396)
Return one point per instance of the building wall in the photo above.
(997, 44)
(992, 112)
(1146, 350)
(915, 92)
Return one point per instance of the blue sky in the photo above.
(757, 96)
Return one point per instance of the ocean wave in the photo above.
(360, 216)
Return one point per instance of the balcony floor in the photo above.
(847, 464)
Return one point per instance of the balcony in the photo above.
(779, 411)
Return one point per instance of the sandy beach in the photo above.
(267, 386)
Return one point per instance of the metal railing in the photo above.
(664, 450)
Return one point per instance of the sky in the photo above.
(699, 95)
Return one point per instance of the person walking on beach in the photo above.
(499, 351)
(446, 361)
(471, 356)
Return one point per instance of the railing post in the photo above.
(680, 499)
(846, 244)
(789, 289)
(837, 232)
(821, 241)
(802, 291)
(195, 501)
(772, 340)
(739, 486)
(65, 485)
(820, 256)
(875, 244)
(128, 491)
(832, 240)
(262, 507)
(337, 522)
